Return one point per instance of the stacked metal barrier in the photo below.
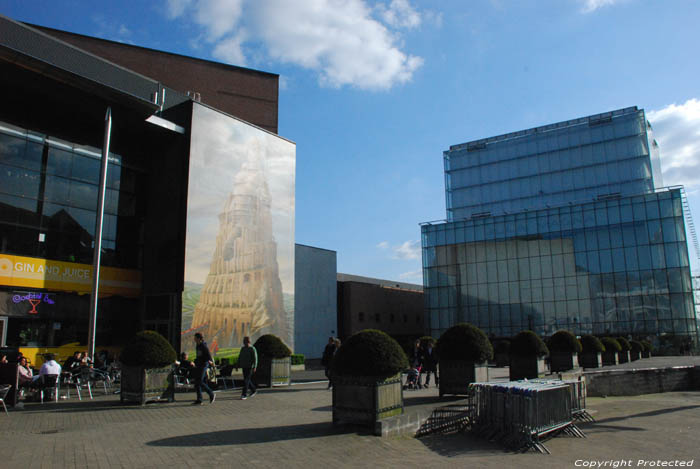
(520, 413)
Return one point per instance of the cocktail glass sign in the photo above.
(33, 299)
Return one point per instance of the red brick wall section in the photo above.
(247, 94)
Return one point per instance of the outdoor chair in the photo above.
(78, 379)
(4, 389)
(49, 383)
(101, 376)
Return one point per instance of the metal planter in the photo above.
(142, 385)
(563, 361)
(274, 372)
(456, 375)
(364, 399)
(590, 359)
(522, 367)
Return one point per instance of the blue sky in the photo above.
(373, 92)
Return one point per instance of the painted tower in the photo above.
(242, 295)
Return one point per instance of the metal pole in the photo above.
(98, 233)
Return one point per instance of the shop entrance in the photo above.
(3, 330)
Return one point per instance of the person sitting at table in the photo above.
(184, 366)
(25, 374)
(72, 362)
(85, 359)
(50, 367)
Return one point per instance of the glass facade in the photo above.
(48, 200)
(563, 226)
(48, 195)
(578, 160)
(608, 267)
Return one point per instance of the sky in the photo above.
(373, 92)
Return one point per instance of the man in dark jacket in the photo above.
(430, 362)
(327, 358)
(248, 360)
(201, 363)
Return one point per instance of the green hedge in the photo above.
(611, 344)
(636, 346)
(464, 342)
(592, 344)
(271, 346)
(148, 349)
(369, 353)
(564, 341)
(298, 359)
(501, 346)
(624, 343)
(527, 343)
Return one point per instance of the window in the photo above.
(377, 317)
(391, 318)
(361, 317)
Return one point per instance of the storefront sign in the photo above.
(18, 271)
(33, 299)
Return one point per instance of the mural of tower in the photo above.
(242, 294)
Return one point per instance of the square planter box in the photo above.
(623, 357)
(274, 372)
(609, 358)
(502, 359)
(590, 359)
(455, 376)
(634, 355)
(526, 367)
(563, 361)
(147, 384)
(364, 400)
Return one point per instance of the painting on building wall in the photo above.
(239, 258)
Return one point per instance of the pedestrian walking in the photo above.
(248, 361)
(430, 362)
(327, 358)
(202, 362)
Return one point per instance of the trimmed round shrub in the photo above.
(464, 342)
(148, 349)
(564, 341)
(647, 345)
(426, 339)
(592, 344)
(527, 343)
(611, 345)
(624, 343)
(636, 346)
(369, 353)
(271, 346)
(501, 346)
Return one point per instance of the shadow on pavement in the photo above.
(245, 436)
(651, 413)
(456, 444)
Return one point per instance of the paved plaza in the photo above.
(291, 427)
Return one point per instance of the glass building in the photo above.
(575, 238)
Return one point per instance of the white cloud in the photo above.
(408, 250)
(383, 245)
(592, 5)
(677, 129)
(414, 275)
(340, 40)
(399, 14)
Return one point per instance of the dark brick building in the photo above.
(367, 303)
(248, 94)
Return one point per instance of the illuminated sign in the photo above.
(33, 299)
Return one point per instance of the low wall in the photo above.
(634, 382)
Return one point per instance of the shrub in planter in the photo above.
(527, 352)
(624, 353)
(366, 375)
(147, 368)
(274, 362)
(298, 359)
(463, 351)
(612, 346)
(636, 348)
(591, 352)
(648, 348)
(501, 352)
(564, 348)
(427, 339)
